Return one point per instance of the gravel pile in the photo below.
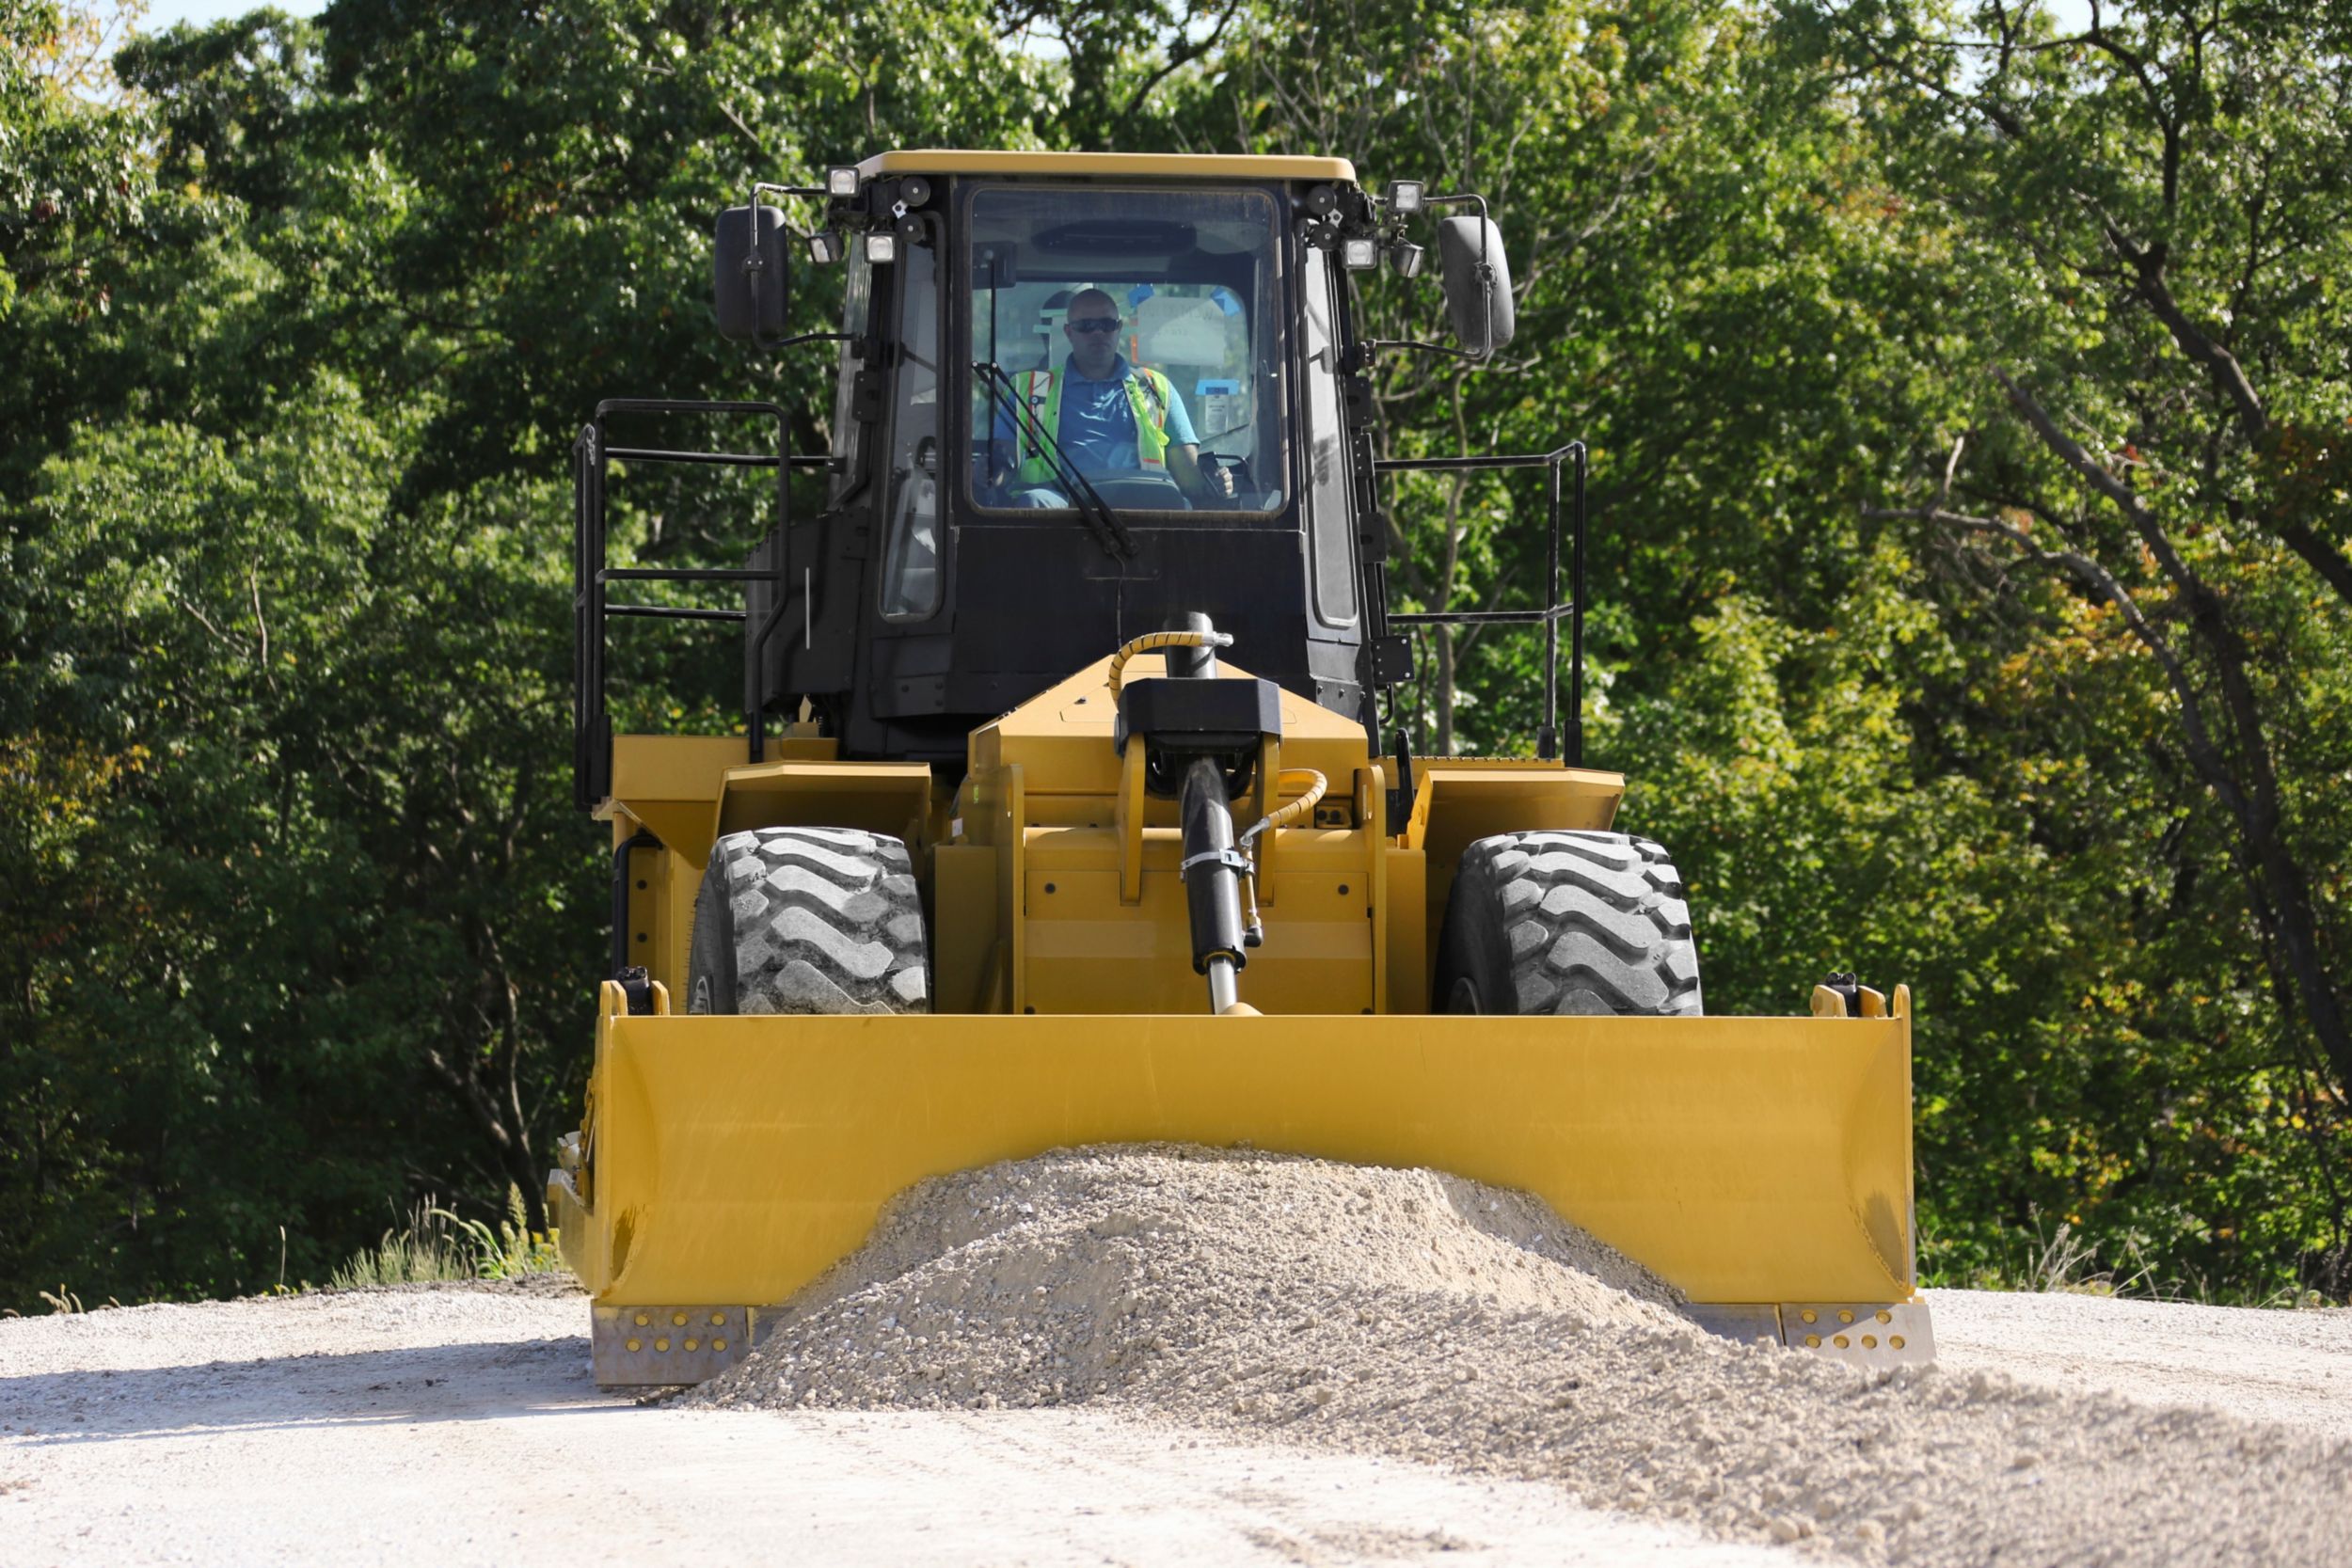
(1411, 1313)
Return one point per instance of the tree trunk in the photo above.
(2247, 781)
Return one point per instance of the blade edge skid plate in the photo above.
(1746, 1160)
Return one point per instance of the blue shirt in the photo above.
(1098, 424)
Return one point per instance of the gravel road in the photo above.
(458, 1425)
(2291, 1367)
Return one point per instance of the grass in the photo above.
(437, 1244)
(432, 1244)
(2060, 1260)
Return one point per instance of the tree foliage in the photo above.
(1967, 405)
(2132, 474)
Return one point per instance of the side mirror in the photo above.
(748, 276)
(1477, 283)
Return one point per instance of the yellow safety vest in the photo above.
(1148, 393)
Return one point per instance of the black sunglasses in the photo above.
(1096, 323)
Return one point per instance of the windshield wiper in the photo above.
(1109, 531)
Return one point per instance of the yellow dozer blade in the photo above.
(1760, 1165)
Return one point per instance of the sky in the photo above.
(163, 13)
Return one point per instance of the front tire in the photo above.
(808, 920)
(1567, 922)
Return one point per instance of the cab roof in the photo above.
(1160, 165)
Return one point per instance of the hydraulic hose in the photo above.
(1285, 816)
(1152, 639)
(639, 840)
(1253, 929)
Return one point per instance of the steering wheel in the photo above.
(1213, 462)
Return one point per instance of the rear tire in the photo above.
(1567, 922)
(808, 920)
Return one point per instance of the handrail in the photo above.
(734, 459)
(1548, 738)
(593, 610)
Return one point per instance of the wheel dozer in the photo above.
(1066, 804)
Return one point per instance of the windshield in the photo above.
(1125, 349)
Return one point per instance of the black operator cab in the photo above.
(1081, 397)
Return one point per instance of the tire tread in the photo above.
(1593, 923)
(820, 919)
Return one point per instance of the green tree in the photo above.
(2146, 398)
(309, 921)
(1966, 431)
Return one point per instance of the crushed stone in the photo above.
(1421, 1315)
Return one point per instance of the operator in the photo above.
(1110, 416)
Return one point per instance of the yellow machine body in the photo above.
(1761, 1165)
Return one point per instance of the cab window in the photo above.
(1331, 518)
(1132, 337)
(912, 564)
